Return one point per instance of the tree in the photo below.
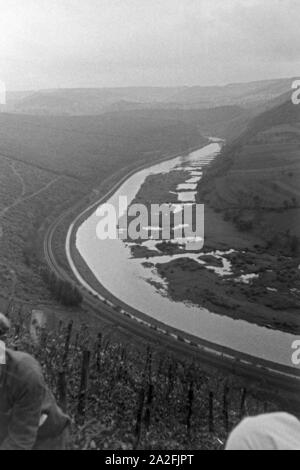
(62, 290)
(294, 245)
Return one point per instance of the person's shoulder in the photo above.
(23, 363)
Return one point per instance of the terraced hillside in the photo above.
(255, 181)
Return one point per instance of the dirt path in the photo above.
(41, 190)
(19, 200)
(22, 199)
(288, 188)
(22, 196)
(20, 178)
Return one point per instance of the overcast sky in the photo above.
(95, 43)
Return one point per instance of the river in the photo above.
(135, 283)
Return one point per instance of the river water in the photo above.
(137, 283)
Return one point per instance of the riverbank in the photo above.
(124, 278)
(259, 288)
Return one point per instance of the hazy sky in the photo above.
(91, 43)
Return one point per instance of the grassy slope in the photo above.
(257, 177)
(52, 162)
(222, 121)
(28, 197)
(90, 148)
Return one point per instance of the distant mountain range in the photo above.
(91, 148)
(100, 100)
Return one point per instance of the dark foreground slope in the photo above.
(123, 397)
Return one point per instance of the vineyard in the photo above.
(122, 397)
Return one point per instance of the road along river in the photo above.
(133, 282)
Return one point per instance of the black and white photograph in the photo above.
(149, 228)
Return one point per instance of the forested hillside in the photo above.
(255, 181)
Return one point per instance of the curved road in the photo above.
(276, 377)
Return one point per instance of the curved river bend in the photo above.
(128, 279)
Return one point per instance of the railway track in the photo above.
(266, 374)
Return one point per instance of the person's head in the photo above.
(4, 326)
